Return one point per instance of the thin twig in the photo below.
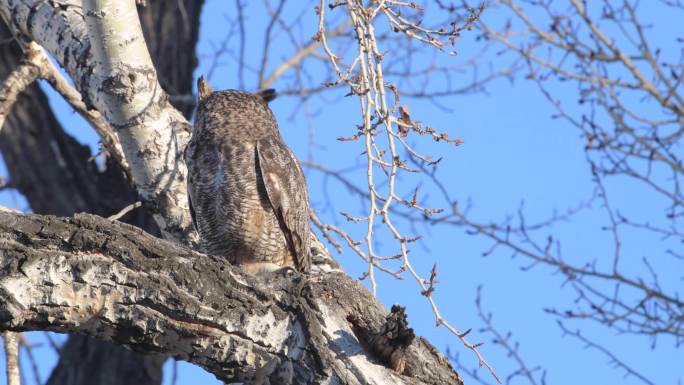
(125, 211)
(12, 357)
(383, 136)
(24, 343)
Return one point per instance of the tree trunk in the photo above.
(152, 133)
(171, 29)
(51, 169)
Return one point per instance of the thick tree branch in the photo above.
(22, 76)
(54, 173)
(34, 146)
(108, 137)
(115, 282)
(152, 133)
(125, 89)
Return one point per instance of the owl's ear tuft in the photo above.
(268, 94)
(203, 88)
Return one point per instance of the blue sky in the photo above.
(514, 153)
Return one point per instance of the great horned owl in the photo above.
(247, 193)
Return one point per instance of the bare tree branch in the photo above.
(616, 67)
(22, 76)
(152, 133)
(28, 348)
(12, 358)
(614, 360)
(383, 129)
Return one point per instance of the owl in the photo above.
(247, 192)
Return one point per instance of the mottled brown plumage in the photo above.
(247, 192)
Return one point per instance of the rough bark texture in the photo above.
(52, 171)
(115, 282)
(171, 31)
(152, 133)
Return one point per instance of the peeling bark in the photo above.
(115, 282)
(390, 342)
(54, 173)
(152, 133)
(58, 178)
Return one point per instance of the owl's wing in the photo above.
(286, 190)
(192, 213)
(189, 186)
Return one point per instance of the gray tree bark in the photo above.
(152, 133)
(52, 171)
(115, 282)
